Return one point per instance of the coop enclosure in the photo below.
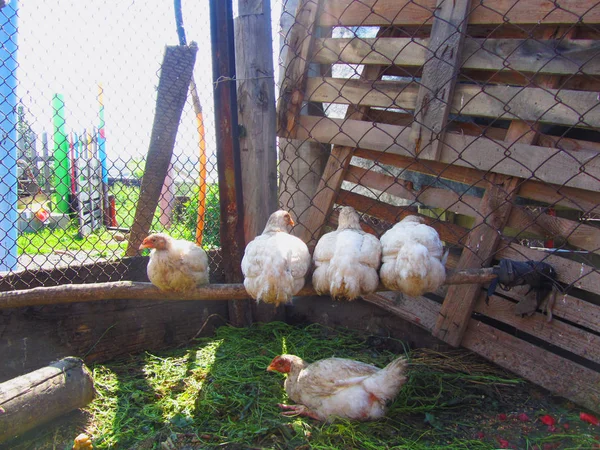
(481, 117)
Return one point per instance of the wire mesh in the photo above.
(368, 86)
(78, 105)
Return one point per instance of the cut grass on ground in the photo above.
(216, 394)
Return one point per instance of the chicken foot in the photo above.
(297, 410)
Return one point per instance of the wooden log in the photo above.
(174, 82)
(45, 394)
(409, 12)
(513, 55)
(436, 90)
(580, 169)
(120, 290)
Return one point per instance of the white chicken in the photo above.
(275, 263)
(347, 260)
(413, 260)
(337, 387)
(175, 265)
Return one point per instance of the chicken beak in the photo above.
(291, 222)
(270, 368)
(144, 245)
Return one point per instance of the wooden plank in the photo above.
(558, 333)
(420, 12)
(542, 225)
(300, 42)
(436, 197)
(566, 307)
(563, 196)
(577, 274)
(481, 243)
(555, 106)
(562, 57)
(176, 73)
(436, 89)
(450, 233)
(546, 164)
(555, 373)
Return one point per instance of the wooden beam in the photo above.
(121, 290)
(562, 57)
(436, 90)
(409, 12)
(578, 199)
(546, 105)
(173, 85)
(559, 375)
(479, 249)
(525, 222)
(256, 116)
(291, 94)
(549, 165)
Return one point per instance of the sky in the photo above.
(70, 46)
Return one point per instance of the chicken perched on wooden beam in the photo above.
(413, 260)
(339, 388)
(347, 260)
(275, 263)
(175, 265)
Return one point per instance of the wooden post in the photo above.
(257, 124)
(228, 153)
(45, 394)
(439, 77)
(175, 76)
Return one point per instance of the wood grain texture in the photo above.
(562, 57)
(45, 394)
(300, 42)
(479, 249)
(547, 105)
(555, 373)
(436, 87)
(580, 169)
(560, 196)
(420, 12)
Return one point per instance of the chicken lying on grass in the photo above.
(337, 387)
(347, 260)
(413, 260)
(175, 265)
(275, 263)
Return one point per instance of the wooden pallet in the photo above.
(492, 113)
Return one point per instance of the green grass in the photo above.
(102, 242)
(216, 394)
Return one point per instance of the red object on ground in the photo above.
(523, 417)
(547, 420)
(501, 417)
(589, 418)
(503, 443)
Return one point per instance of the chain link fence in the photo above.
(79, 88)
